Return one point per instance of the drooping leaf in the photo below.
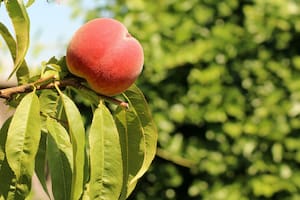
(23, 139)
(9, 39)
(6, 174)
(140, 107)
(139, 136)
(3, 136)
(105, 156)
(21, 23)
(131, 139)
(8, 182)
(23, 72)
(61, 138)
(60, 159)
(77, 135)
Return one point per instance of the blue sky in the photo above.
(51, 30)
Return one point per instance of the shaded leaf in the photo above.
(7, 187)
(105, 156)
(40, 163)
(60, 159)
(3, 136)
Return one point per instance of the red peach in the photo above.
(106, 55)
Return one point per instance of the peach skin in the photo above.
(106, 55)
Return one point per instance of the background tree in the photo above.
(47, 135)
(223, 82)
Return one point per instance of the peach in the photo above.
(106, 55)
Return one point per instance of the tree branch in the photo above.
(178, 160)
(49, 83)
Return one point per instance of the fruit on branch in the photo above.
(106, 55)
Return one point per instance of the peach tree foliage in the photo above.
(47, 131)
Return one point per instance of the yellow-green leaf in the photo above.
(138, 137)
(106, 165)
(23, 72)
(23, 140)
(21, 23)
(77, 135)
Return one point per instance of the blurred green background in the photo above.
(223, 82)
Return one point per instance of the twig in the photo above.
(178, 160)
(107, 98)
(46, 83)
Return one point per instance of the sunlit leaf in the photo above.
(21, 23)
(106, 176)
(138, 136)
(29, 3)
(23, 72)
(9, 39)
(77, 135)
(23, 140)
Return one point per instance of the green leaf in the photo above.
(23, 139)
(49, 101)
(3, 136)
(29, 3)
(105, 156)
(23, 72)
(60, 159)
(40, 162)
(9, 39)
(138, 136)
(7, 187)
(77, 135)
(21, 23)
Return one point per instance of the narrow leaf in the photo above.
(140, 107)
(23, 139)
(131, 139)
(139, 136)
(77, 135)
(3, 136)
(20, 20)
(105, 156)
(29, 3)
(23, 72)
(9, 39)
(60, 159)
